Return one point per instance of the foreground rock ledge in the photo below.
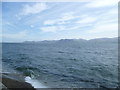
(14, 81)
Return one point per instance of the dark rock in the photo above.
(13, 81)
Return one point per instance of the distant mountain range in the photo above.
(76, 40)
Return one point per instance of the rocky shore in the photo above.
(14, 81)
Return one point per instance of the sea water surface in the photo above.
(64, 64)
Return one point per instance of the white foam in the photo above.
(34, 83)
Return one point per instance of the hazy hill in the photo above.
(69, 41)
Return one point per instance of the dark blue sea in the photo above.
(64, 63)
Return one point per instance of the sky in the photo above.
(36, 21)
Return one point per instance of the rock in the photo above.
(12, 81)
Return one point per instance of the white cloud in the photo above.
(33, 9)
(86, 20)
(104, 24)
(52, 28)
(67, 16)
(108, 30)
(9, 23)
(49, 22)
(63, 19)
(105, 28)
(101, 3)
(18, 17)
(18, 35)
(66, 19)
(32, 26)
(113, 11)
(109, 17)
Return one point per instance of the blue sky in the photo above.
(36, 21)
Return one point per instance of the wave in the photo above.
(34, 83)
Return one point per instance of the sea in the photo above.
(64, 63)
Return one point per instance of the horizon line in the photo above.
(58, 39)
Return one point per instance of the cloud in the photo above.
(108, 30)
(63, 19)
(32, 26)
(101, 3)
(67, 16)
(18, 35)
(55, 21)
(49, 22)
(74, 18)
(67, 21)
(33, 9)
(86, 20)
(52, 28)
(109, 17)
(105, 28)
(9, 23)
